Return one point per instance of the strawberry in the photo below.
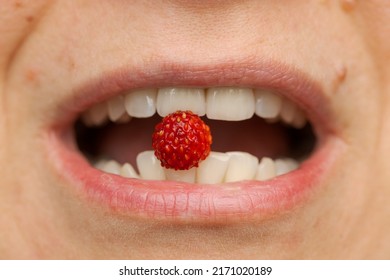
(181, 140)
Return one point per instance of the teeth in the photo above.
(268, 105)
(172, 99)
(284, 166)
(299, 120)
(213, 169)
(288, 110)
(221, 103)
(112, 167)
(128, 171)
(96, 115)
(187, 176)
(232, 104)
(242, 166)
(141, 103)
(116, 108)
(217, 168)
(149, 166)
(100, 164)
(123, 119)
(266, 169)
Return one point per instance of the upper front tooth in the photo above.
(141, 103)
(242, 166)
(116, 108)
(231, 104)
(268, 104)
(149, 166)
(170, 100)
(212, 170)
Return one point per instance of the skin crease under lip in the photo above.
(51, 48)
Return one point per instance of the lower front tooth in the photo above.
(170, 100)
(213, 169)
(266, 169)
(149, 166)
(128, 171)
(230, 104)
(242, 166)
(187, 176)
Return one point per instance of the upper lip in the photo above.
(196, 202)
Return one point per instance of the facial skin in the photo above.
(50, 48)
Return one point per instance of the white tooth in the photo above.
(292, 164)
(128, 171)
(266, 169)
(141, 103)
(86, 119)
(268, 104)
(213, 169)
(100, 164)
(149, 166)
(170, 100)
(187, 176)
(125, 118)
(231, 104)
(116, 108)
(112, 167)
(242, 166)
(284, 166)
(287, 112)
(299, 120)
(98, 114)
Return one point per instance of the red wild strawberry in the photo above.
(181, 140)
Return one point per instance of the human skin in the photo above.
(50, 48)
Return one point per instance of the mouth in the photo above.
(274, 142)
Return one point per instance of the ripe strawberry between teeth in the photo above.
(181, 140)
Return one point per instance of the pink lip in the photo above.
(176, 201)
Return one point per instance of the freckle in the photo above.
(29, 18)
(341, 73)
(72, 65)
(348, 5)
(31, 75)
(18, 4)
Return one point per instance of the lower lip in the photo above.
(182, 202)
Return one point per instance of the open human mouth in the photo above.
(273, 141)
(111, 147)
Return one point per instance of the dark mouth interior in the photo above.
(122, 142)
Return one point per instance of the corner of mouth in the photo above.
(189, 202)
